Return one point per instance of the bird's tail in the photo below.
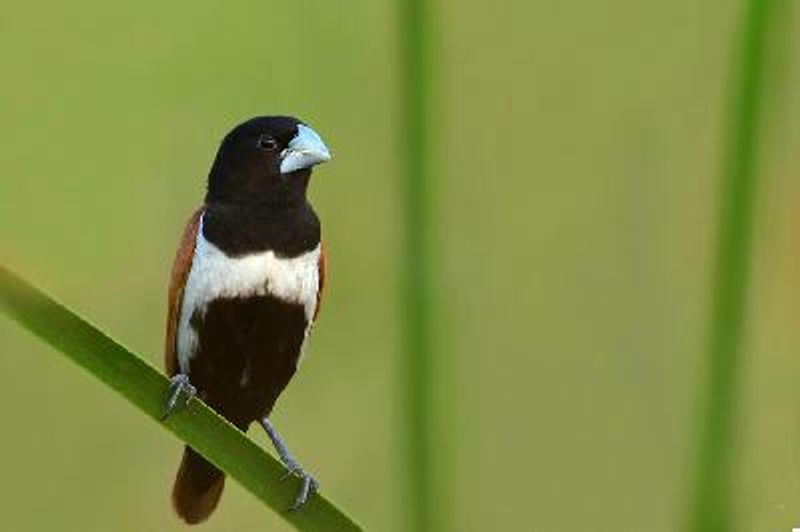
(198, 487)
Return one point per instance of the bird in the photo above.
(244, 293)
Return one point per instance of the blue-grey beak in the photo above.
(304, 151)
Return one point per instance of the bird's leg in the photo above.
(179, 393)
(310, 484)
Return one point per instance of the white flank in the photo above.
(216, 275)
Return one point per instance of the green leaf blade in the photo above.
(713, 504)
(144, 386)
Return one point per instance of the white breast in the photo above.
(216, 275)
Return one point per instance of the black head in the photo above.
(265, 160)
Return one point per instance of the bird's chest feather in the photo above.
(215, 277)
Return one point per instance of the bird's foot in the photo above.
(309, 486)
(179, 393)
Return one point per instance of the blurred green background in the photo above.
(579, 159)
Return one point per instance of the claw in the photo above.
(309, 488)
(293, 469)
(179, 393)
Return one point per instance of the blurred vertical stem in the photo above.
(416, 136)
(714, 482)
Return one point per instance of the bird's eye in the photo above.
(267, 143)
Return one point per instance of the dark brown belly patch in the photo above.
(247, 352)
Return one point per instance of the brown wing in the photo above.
(180, 271)
(322, 267)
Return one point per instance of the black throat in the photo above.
(238, 230)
